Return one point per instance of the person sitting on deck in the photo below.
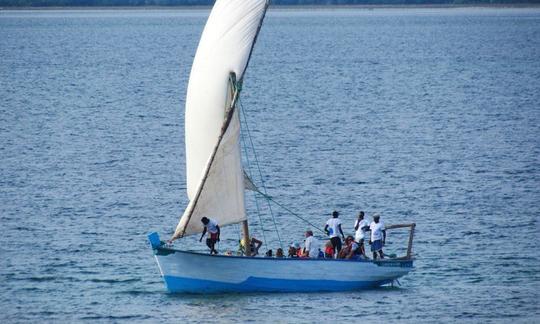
(361, 226)
(333, 229)
(299, 250)
(293, 250)
(254, 246)
(351, 249)
(378, 236)
(311, 246)
(279, 253)
(212, 227)
(268, 254)
(328, 250)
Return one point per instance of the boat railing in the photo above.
(411, 227)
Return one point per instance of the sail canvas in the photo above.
(217, 191)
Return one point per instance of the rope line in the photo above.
(256, 202)
(260, 172)
(290, 211)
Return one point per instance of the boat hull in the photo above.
(190, 272)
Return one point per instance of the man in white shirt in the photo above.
(378, 236)
(311, 246)
(361, 226)
(333, 229)
(212, 227)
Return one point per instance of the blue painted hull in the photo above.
(190, 272)
(187, 285)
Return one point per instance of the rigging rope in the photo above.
(256, 202)
(290, 211)
(260, 172)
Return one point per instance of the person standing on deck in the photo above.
(360, 227)
(311, 246)
(378, 236)
(212, 227)
(333, 229)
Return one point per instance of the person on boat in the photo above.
(299, 250)
(328, 250)
(268, 254)
(333, 229)
(351, 249)
(344, 249)
(311, 246)
(293, 250)
(279, 253)
(361, 226)
(378, 236)
(254, 246)
(212, 227)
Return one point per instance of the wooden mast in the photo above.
(247, 245)
(234, 92)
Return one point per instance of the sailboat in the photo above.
(216, 181)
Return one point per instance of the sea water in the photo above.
(422, 115)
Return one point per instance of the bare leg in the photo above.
(211, 245)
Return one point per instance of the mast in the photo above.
(245, 232)
(233, 96)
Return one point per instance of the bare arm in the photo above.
(257, 244)
(202, 235)
(341, 231)
(326, 229)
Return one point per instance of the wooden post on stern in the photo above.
(409, 246)
(411, 236)
(245, 230)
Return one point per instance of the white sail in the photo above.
(214, 172)
(216, 198)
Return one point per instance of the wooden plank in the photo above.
(411, 236)
(399, 226)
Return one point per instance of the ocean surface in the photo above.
(423, 115)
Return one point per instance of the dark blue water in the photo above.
(424, 115)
